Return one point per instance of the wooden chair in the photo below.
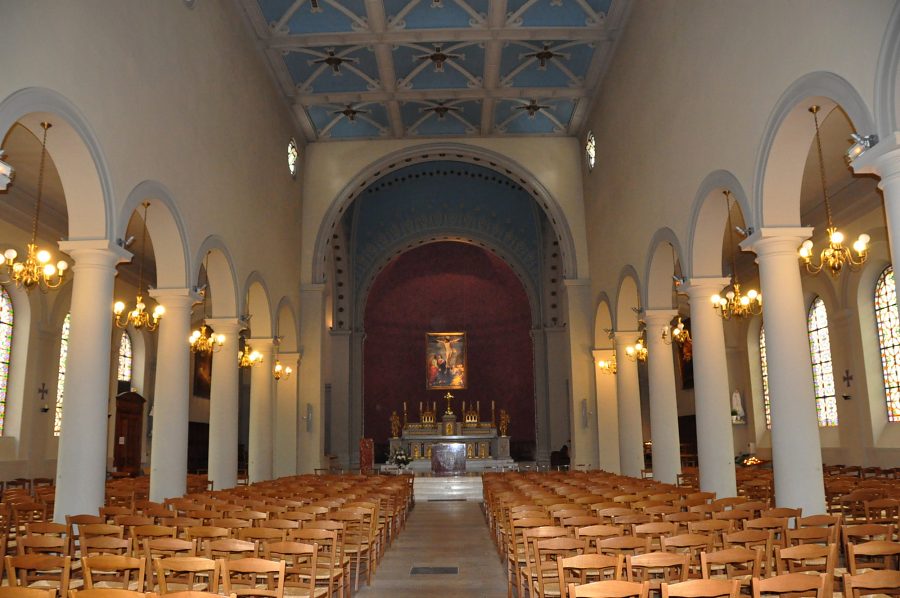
(588, 568)
(228, 548)
(105, 593)
(777, 525)
(741, 564)
(610, 589)
(877, 554)
(832, 523)
(547, 553)
(702, 588)
(110, 571)
(873, 582)
(330, 569)
(753, 539)
(359, 540)
(623, 545)
(187, 574)
(160, 548)
(692, 545)
(55, 545)
(41, 570)
(18, 592)
(300, 567)
(238, 571)
(595, 533)
(657, 568)
(205, 534)
(792, 585)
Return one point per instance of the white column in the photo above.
(796, 451)
(81, 462)
(171, 397)
(311, 440)
(628, 393)
(580, 326)
(223, 406)
(884, 160)
(260, 450)
(663, 400)
(607, 414)
(712, 398)
(285, 424)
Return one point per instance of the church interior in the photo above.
(343, 246)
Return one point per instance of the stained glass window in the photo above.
(61, 376)
(292, 156)
(767, 406)
(820, 352)
(6, 332)
(590, 149)
(888, 320)
(125, 358)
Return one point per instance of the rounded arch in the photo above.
(603, 324)
(221, 276)
(286, 326)
(166, 228)
(708, 216)
(444, 151)
(786, 140)
(628, 300)
(76, 152)
(410, 242)
(258, 306)
(665, 252)
(887, 78)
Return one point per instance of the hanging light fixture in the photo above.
(201, 342)
(607, 366)
(735, 304)
(834, 256)
(637, 351)
(248, 357)
(677, 333)
(138, 317)
(280, 371)
(36, 270)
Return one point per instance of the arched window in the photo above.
(590, 150)
(125, 358)
(6, 332)
(61, 376)
(764, 365)
(888, 321)
(820, 352)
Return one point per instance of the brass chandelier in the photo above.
(607, 366)
(249, 357)
(834, 256)
(281, 371)
(677, 333)
(138, 318)
(637, 351)
(201, 342)
(36, 271)
(735, 304)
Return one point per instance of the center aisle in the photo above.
(441, 534)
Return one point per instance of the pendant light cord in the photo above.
(815, 113)
(40, 188)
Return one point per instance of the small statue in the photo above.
(504, 422)
(395, 425)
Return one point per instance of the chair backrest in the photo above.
(806, 557)
(610, 589)
(18, 592)
(737, 561)
(792, 584)
(236, 569)
(229, 548)
(125, 570)
(26, 569)
(877, 554)
(809, 535)
(623, 545)
(106, 593)
(873, 582)
(105, 545)
(43, 545)
(575, 569)
(702, 588)
(656, 566)
(183, 570)
(300, 560)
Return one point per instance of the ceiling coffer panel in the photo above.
(365, 69)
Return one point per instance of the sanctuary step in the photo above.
(466, 487)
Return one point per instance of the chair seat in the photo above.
(132, 585)
(303, 593)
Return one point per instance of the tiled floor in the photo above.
(441, 534)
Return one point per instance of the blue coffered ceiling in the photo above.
(364, 69)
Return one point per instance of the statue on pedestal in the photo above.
(395, 425)
(504, 422)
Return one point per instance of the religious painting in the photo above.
(445, 361)
(685, 360)
(202, 374)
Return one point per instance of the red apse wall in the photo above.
(443, 287)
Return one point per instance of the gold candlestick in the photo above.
(448, 397)
(405, 419)
(493, 414)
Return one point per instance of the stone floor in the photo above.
(441, 534)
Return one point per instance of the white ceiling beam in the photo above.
(385, 61)
(527, 93)
(363, 38)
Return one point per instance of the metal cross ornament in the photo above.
(847, 378)
(43, 390)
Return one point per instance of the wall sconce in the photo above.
(308, 417)
(860, 145)
(7, 174)
(280, 371)
(678, 333)
(607, 366)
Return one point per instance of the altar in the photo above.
(486, 447)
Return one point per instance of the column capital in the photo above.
(882, 160)
(624, 338)
(659, 317)
(226, 326)
(175, 298)
(95, 252)
(261, 342)
(703, 288)
(776, 240)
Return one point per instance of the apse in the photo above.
(449, 287)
